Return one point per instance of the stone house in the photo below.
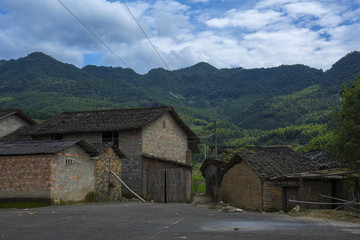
(157, 143)
(11, 120)
(57, 170)
(212, 170)
(256, 178)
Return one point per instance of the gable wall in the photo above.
(10, 124)
(29, 176)
(169, 142)
(74, 181)
(241, 187)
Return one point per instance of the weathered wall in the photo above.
(10, 124)
(241, 187)
(310, 190)
(130, 144)
(213, 181)
(273, 195)
(103, 178)
(74, 175)
(301, 190)
(26, 176)
(164, 138)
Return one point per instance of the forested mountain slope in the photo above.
(254, 100)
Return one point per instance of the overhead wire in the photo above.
(147, 37)
(94, 34)
(328, 85)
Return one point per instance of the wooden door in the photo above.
(156, 185)
(175, 186)
(289, 193)
(166, 185)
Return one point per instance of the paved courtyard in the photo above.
(134, 220)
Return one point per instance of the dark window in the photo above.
(68, 162)
(111, 137)
(57, 137)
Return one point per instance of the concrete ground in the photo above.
(135, 220)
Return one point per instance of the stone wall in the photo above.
(74, 175)
(107, 186)
(164, 138)
(130, 144)
(26, 176)
(10, 124)
(241, 187)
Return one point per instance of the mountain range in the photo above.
(261, 99)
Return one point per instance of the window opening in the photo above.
(111, 137)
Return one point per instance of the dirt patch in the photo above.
(328, 214)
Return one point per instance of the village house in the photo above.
(67, 170)
(157, 144)
(256, 178)
(212, 170)
(11, 120)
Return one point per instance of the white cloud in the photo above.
(270, 33)
(250, 19)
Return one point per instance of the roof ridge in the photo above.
(116, 109)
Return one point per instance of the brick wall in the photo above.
(101, 168)
(164, 138)
(74, 175)
(272, 195)
(26, 176)
(241, 187)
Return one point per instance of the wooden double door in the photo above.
(166, 185)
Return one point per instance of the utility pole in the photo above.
(215, 142)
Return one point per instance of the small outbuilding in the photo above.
(256, 179)
(68, 170)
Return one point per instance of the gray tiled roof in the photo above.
(273, 162)
(104, 120)
(322, 159)
(41, 147)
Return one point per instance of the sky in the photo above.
(223, 33)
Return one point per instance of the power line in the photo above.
(349, 75)
(98, 38)
(146, 35)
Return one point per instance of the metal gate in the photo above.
(166, 185)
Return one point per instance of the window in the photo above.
(164, 124)
(57, 137)
(69, 162)
(111, 137)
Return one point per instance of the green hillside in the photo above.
(252, 106)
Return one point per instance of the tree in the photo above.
(345, 143)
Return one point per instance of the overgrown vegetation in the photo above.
(198, 180)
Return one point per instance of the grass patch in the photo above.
(198, 180)
(24, 203)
